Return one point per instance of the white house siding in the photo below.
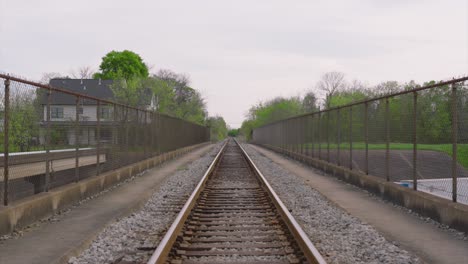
(86, 137)
(69, 113)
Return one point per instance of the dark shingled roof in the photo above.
(91, 87)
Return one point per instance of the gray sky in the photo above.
(241, 52)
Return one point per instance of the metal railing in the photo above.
(417, 138)
(50, 136)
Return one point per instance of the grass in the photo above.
(462, 149)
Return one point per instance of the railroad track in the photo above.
(234, 216)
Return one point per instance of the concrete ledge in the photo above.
(441, 210)
(26, 211)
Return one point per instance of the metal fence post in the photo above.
(313, 129)
(116, 134)
(366, 137)
(328, 136)
(127, 121)
(47, 142)
(145, 135)
(454, 142)
(98, 137)
(285, 138)
(302, 126)
(136, 129)
(351, 138)
(152, 133)
(319, 136)
(387, 139)
(307, 136)
(296, 136)
(77, 139)
(415, 151)
(5, 141)
(338, 127)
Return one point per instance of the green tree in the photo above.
(309, 103)
(233, 132)
(24, 121)
(178, 99)
(129, 92)
(345, 97)
(122, 65)
(271, 111)
(163, 94)
(218, 128)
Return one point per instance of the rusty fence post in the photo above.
(145, 134)
(328, 136)
(303, 137)
(285, 138)
(415, 150)
(127, 128)
(387, 139)
(351, 138)
(313, 129)
(136, 141)
(454, 142)
(296, 137)
(338, 128)
(152, 133)
(77, 139)
(114, 153)
(98, 137)
(47, 142)
(319, 136)
(6, 130)
(366, 136)
(308, 135)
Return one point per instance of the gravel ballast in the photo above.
(133, 238)
(340, 237)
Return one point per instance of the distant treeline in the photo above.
(433, 110)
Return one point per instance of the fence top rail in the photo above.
(439, 84)
(60, 90)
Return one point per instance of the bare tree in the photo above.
(85, 72)
(330, 83)
(388, 87)
(46, 77)
(357, 85)
(179, 83)
(181, 80)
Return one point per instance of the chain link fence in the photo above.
(417, 138)
(50, 136)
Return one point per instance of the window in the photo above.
(80, 110)
(104, 113)
(56, 112)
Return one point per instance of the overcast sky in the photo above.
(241, 52)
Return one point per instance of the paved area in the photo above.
(54, 242)
(38, 168)
(432, 244)
(430, 164)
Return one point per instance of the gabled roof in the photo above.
(91, 87)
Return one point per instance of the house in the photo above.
(63, 111)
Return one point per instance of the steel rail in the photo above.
(307, 247)
(164, 247)
(162, 251)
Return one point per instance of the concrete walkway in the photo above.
(55, 242)
(430, 243)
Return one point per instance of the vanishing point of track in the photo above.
(234, 216)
